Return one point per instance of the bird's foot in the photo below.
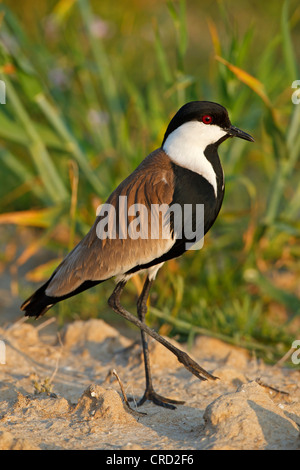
(159, 400)
(194, 368)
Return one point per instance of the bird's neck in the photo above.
(202, 161)
(211, 154)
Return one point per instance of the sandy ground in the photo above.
(56, 393)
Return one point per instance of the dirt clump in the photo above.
(57, 392)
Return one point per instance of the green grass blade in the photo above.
(102, 62)
(72, 145)
(22, 173)
(46, 169)
(162, 58)
(188, 327)
(287, 44)
(291, 301)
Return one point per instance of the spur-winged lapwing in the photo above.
(184, 172)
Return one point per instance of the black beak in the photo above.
(235, 132)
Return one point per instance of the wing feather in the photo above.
(97, 259)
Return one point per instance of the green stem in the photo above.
(47, 171)
(53, 116)
(188, 327)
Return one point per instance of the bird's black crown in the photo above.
(199, 111)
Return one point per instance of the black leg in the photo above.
(150, 394)
(189, 363)
(142, 310)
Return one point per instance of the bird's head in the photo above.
(204, 122)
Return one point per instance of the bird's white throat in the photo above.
(186, 145)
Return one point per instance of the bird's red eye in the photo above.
(207, 119)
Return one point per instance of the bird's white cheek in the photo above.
(186, 145)
(211, 133)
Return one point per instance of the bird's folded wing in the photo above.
(128, 231)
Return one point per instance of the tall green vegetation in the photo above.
(78, 120)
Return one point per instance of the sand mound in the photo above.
(57, 392)
(9, 442)
(99, 403)
(250, 412)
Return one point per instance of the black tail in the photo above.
(38, 303)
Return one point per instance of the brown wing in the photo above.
(98, 258)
